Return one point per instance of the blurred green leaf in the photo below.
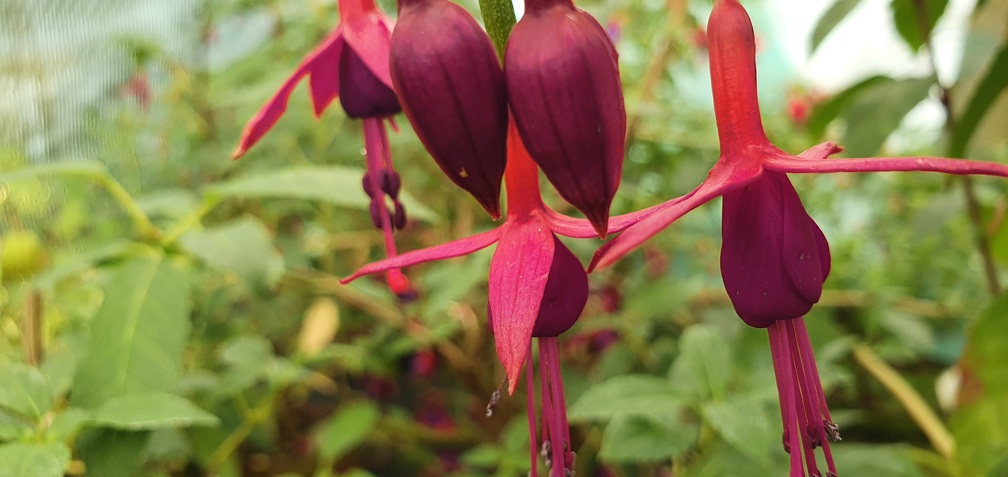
(83, 168)
(640, 439)
(744, 424)
(151, 410)
(627, 395)
(33, 460)
(876, 111)
(25, 391)
(827, 111)
(994, 81)
(247, 358)
(67, 423)
(915, 19)
(980, 425)
(333, 184)
(829, 21)
(704, 363)
(243, 246)
(138, 335)
(111, 453)
(346, 429)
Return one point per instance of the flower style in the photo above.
(774, 258)
(531, 269)
(352, 64)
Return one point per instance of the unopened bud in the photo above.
(451, 86)
(565, 93)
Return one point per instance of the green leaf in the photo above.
(336, 185)
(244, 247)
(138, 334)
(247, 358)
(910, 16)
(111, 453)
(24, 391)
(829, 110)
(704, 363)
(34, 460)
(980, 425)
(151, 410)
(640, 439)
(82, 168)
(829, 21)
(993, 83)
(743, 423)
(627, 395)
(878, 110)
(67, 423)
(346, 429)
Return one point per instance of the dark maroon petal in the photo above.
(451, 86)
(565, 93)
(565, 295)
(772, 255)
(361, 93)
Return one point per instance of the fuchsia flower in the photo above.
(537, 287)
(774, 257)
(352, 64)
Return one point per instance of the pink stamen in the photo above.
(530, 406)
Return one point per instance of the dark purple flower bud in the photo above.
(567, 100)
(451, 86)
(564, 297)
(361, 93)
(399, 217)
(774, 257)
(391, 182)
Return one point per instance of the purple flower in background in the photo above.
(352, 64)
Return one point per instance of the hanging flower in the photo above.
(352, 64)
(774, 258)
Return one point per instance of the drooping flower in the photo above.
(774, 258)
(530, 268)
(565, 93)
(445, 70)
(352, 64)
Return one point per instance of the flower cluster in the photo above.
(556, 105)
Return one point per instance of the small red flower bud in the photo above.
(451, 86)
(565, 93)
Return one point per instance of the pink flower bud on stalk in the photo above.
(565, 93)
(451, 86)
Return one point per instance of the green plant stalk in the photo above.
(143, 224)
(929, 422)
(190, 220)
(499, 18)
(250, 419)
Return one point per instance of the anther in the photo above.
(832, 430)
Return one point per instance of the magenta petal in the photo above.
(324, 80)
(370, 36)
(724, 177)
(275, 107)
(770, 259)
(786, 163)
(582, 228)
(519, 271)
(455, 248)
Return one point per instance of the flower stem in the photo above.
(919, 411)
(499, 18)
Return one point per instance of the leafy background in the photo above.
(168, 312)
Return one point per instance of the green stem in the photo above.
(250, 419)
(143, 224)
(919, 411)
(189, 220)
(499, 18)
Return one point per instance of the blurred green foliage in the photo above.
(166, 311)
